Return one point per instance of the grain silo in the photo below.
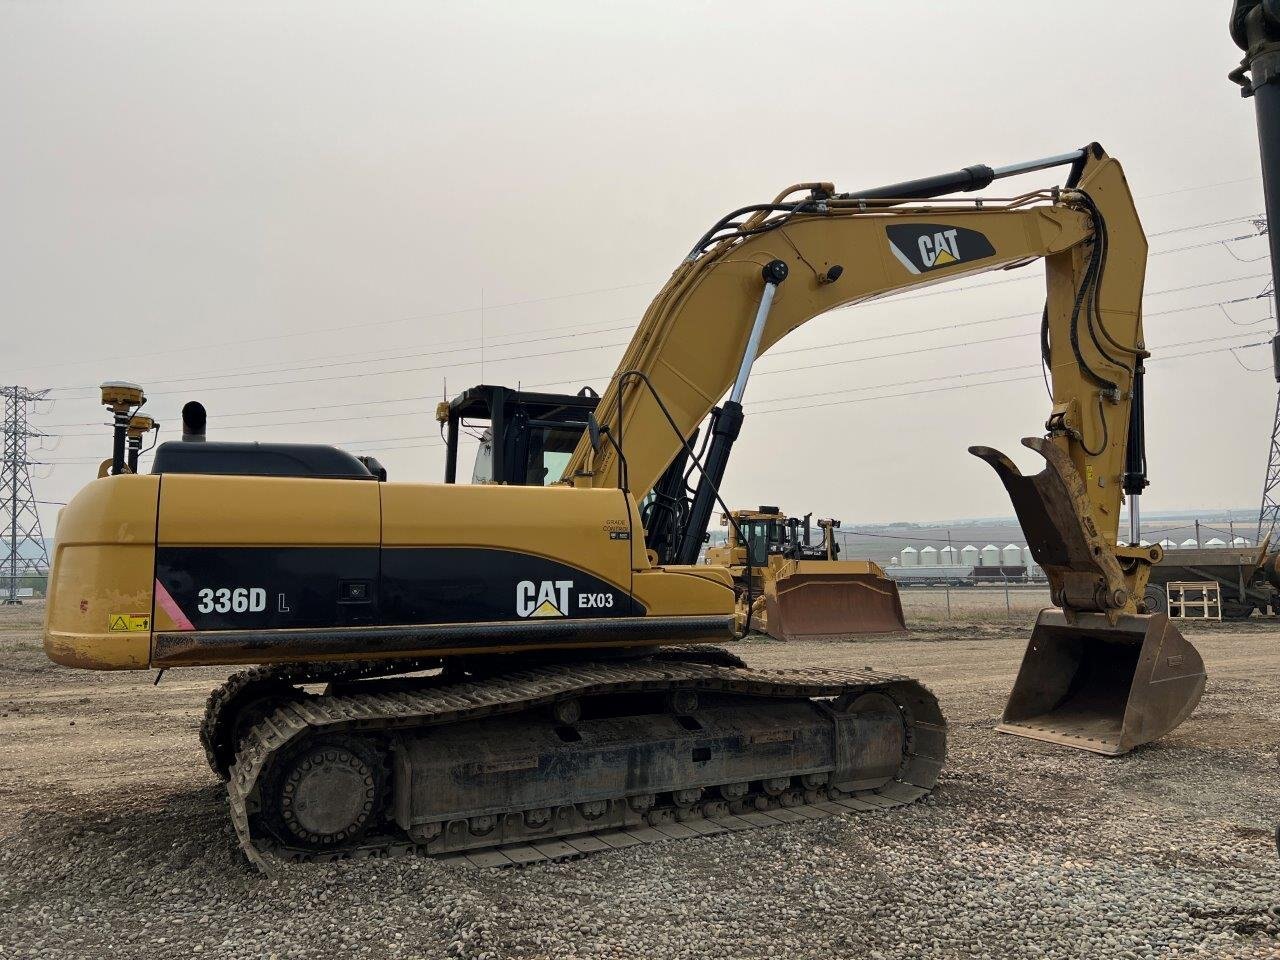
(1215, 542)
(910, 557)
(929, 556)
(1240, 542)
(1029, 561)
(1011, 555)
(969, 555)
(991, 555)
(1189, 544)
(949, 556)
(1168, 544)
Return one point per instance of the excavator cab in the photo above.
(526, 439)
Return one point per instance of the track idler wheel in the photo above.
(328, 793)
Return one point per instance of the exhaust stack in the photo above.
(194, 418)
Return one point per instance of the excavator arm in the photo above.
(765, 270)
(758, 276)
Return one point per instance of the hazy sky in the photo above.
(293, 212)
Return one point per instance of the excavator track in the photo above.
(228, 706)
(354, 774)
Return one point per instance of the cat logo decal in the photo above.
(922, 247)
(546, 598)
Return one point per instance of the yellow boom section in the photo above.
(693, 336)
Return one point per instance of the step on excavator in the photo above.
(800, 590)
(531, 665)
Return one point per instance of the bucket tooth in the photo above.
(1092, 685)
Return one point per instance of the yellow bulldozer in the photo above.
(531, 665)
(794, 589)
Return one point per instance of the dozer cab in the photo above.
(794, 589)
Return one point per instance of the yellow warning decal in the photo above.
(129, 622)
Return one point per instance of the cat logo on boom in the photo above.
(921, 247)
(547, 598)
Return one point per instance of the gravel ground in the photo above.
(116, 841)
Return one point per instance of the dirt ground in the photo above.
(114, 840)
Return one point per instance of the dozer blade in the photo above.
(823, 606)
(1104, 688)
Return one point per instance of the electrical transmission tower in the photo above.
(1270, 512)
(24, 551)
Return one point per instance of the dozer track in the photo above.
(560, 760)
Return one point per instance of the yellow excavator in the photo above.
(799, 590)
(526, 666)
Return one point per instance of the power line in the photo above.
(348, 360)
(349, 326)
(902, 298)
(1203, 186)
(963, 386)
(945, 346)
(222, 375)
(967, 324)
(988, 383)
(551, 298)
(365, 443)
(1203, 226)
(826, 346)
(1013, 316)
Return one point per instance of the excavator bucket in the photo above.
(1094, 681)
(1103, 687)
(804, 605)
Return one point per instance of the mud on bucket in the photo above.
(1104, 688)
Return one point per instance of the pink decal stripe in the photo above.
(170, 606)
